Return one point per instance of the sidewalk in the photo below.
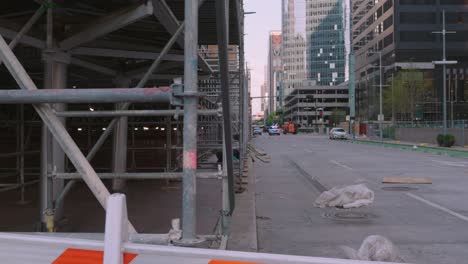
(243, 228)
(455, 151)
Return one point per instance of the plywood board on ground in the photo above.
(409, 180)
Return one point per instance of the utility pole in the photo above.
(381, 117)
(444, 64)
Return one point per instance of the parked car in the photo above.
(337, 133)
(274, 130)
(257, 131)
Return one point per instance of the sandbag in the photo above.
(353, 196)
(375, 248)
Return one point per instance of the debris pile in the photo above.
(375, 248)
(353, 196)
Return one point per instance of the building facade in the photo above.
(314, 56)
(294, 44)
(313, 106)
(326, 52)
(274, 69)
(402, 32)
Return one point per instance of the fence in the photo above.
(419, 131)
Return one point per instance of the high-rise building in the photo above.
(274, 69)
(402, 32)
(326, 52)
(314, 42)
(314, 58)
(294, 44)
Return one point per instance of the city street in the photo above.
(428, 223)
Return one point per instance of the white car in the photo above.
(274, 130)
(338, 133)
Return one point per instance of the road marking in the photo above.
(309, 151)
(450, 163)
(341, 165)
(457, 215)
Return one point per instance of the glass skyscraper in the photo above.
(313, 42)
(326, 53)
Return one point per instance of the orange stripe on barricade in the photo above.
(81, 256)
(214, 261)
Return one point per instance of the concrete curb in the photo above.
(243, 229)
(420, 148)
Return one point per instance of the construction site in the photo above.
(142, 97)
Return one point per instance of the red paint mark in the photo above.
(190, 160)
(81, 256)
(155, 90)
(229, 262)
(165, 88)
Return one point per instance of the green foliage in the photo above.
(389, 132)
(337, 117)
(403, 93)
(446, 140)
(272, 119)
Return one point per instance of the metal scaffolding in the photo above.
(184, 79)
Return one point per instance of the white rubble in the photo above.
(352, 196)
(375, 248)
(175, 233)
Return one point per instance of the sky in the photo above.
(257, 27)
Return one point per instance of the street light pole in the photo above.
(380, 88)
(444, 63)
(444, 74)
(381, 117)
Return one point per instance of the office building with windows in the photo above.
(314, 56)
(404, 33)
(274, 69)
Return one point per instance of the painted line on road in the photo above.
(450, 163)
(440, 207)
(341, 165)
(309, 151)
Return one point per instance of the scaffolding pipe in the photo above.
(111, 95)
(137, 175)
(21, 157)
(46, 141)
(119, 158)
(223, 40)
(189, 180)
(132, 113)
(26, 28)
(16, 186)
(57, 129)
(142, 83)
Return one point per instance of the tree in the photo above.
(403, 94)
(272, 119)
(337, 117)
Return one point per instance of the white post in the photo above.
(116, 229)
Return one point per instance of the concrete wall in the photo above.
(429, 135)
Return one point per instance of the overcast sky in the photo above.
(257, 28)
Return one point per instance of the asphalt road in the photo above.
(428, 223)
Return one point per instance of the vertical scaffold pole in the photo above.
(189, 182)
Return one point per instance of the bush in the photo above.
(446, 140)
(389, 132)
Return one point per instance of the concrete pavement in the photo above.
(427, 222)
